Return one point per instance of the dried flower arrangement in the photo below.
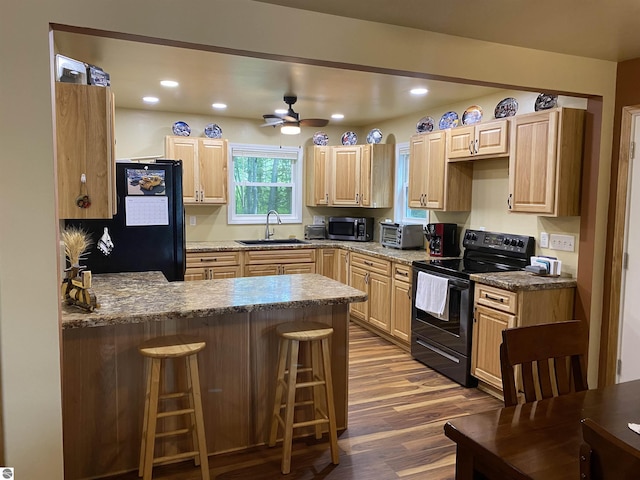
(76, 242)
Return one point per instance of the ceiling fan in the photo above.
(291, 118)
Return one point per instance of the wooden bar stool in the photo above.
(156, 350)
(291, 334)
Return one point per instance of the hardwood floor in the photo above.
(397, 410)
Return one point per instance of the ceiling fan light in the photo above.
(290, 130)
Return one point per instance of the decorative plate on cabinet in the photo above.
(213, 131)
(374, 136)
(448, 120)
(472, 115)
(182, 129)
(425, 124)
(506, 107)
(349, 138)
(546, 101)
(321, 139)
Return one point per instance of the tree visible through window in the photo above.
(265, 178)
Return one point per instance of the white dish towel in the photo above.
(432, 293)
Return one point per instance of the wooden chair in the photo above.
(550, 357)
(603, 456)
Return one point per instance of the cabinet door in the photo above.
(417, 171)
(492, 139)
(365, 175)
(532, 163)
(359, 280)
(196, 273)
(261, 270)
(487, 337)
(461, 142)
(379, 301)
(317, 170)
(292, 268)
(328, 263)
(435, 151)
(345, 176)
(84, 146)
(212, 168)
(401, 310)
(185, 149)
(231, 271)
(343, 269)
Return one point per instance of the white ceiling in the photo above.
(252, 87)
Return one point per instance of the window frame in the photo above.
(296, 183)
(401, 187)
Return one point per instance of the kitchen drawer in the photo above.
(402, 272)
(212, 259)
(268, 256)
(497, 298)
(372, 264)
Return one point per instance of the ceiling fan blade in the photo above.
(314, 122)
(272, 121)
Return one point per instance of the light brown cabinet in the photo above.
(213, 265)
(545, 162)
(496, 309)
(401, 303)
(204, 168)
(85, 150)
(350, 176)
(373, 276)
(483, 140)
(434, 183)
(327, 262)
(343, 267)
(279, 262)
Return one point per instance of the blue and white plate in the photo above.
(213, 131)
(349, 138)
(321, 139)
(425, 124)
(546, 101)
(448, 120)
(182, 129)
(506, 107)
(472, 115)
(374, 136)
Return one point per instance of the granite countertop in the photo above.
(517, 281)
(369, 248)
(147, 296)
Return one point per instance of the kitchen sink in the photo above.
(275, 241)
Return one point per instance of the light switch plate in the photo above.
(192, 220)
(563, 242)
(544, 240)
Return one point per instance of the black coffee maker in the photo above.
(443, 239)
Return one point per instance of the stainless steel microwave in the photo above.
(357, 229)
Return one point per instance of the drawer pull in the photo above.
(208, 259)
(367, 262)
(495, 299)
(404, 274)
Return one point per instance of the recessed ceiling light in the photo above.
(169, 83)
(337, 116)
(219, 106)
(150, 99)
(419, 91)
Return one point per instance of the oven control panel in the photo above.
(503, 242)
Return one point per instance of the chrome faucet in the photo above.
(267, 233)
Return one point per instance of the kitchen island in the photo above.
(103, 373)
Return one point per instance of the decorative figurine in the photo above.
(76, 286)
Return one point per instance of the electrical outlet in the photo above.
(544, 240)
(563, 242)
(192, 220)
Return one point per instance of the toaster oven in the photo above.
(402, 236)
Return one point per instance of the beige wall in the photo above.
(29, 314)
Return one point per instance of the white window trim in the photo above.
(296, 180)
(401, 188)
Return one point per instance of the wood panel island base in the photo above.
(103, 372)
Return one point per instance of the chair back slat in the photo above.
(530, 350)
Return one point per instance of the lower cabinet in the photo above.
(496, 309)
(279, 262)
(327, 262)
(213, 265)
(401, 303)
(373, 276)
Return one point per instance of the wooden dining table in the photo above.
(540, 440)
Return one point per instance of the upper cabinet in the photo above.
(204, 168)
(545, 162)
(350, 176)
(85, 151)
(434, 183)
(483, 140)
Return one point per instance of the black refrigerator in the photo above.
(148, 231)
